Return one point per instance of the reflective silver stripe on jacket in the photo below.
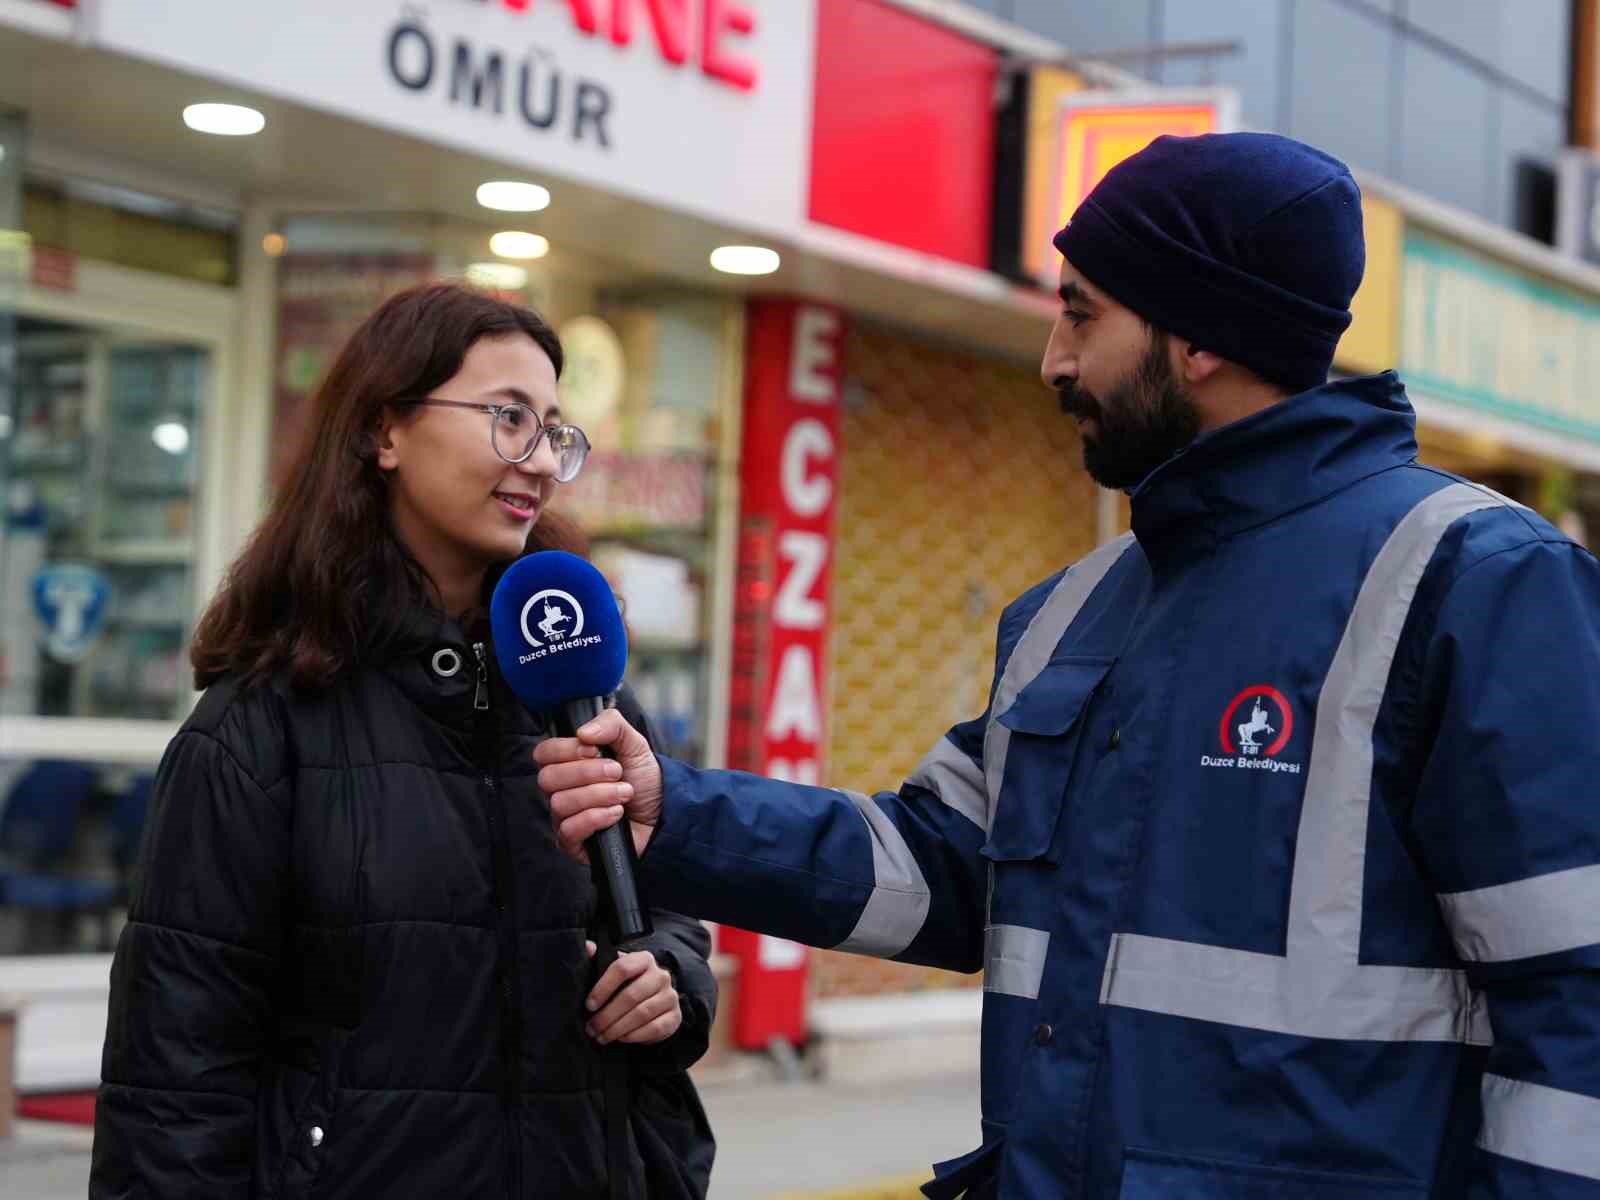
(1320, 987)
(1033, 650)
(1544, 914)
(951, 775)
(1541, 1125)
(898, 905)
(1014, 957)
(1280, 995)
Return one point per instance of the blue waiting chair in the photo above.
(37, 827)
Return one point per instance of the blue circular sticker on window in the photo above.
(70, 600)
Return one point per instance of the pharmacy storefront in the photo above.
(176, 279)
(172, 289)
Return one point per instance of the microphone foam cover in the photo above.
(558, 634)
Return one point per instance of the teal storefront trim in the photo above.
(1496, 312)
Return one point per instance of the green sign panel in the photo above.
(1491, 337)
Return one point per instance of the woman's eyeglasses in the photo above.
(515, 430)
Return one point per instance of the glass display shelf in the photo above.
(107, 442)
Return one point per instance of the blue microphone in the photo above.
(561, 645)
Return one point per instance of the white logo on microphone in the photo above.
(560, 618)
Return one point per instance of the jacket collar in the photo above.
(1272, 463)
(435, 665)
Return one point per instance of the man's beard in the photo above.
(1146, 420)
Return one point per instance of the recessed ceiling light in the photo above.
(513, 243)
(504, 195)
(171, 436)
(745, 260)
(226, 120)
(502, 277)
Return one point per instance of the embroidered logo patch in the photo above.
(1255, 728)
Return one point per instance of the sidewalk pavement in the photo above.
(869, 1140)
(775, 1141)
(45, 1161)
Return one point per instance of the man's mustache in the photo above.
(1076, 402)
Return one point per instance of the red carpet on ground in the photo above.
(74, 1108)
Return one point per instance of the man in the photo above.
(1348, 947)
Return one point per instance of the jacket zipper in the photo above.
(480, 698)
(500, 850)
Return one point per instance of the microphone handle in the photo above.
(612, 859)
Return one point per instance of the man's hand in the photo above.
(589, 793)
(634, 1001)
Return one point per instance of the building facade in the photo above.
(814, 489)
(1367, 80)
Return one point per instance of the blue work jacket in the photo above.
(1278, 842)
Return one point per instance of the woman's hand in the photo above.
(634, 1002)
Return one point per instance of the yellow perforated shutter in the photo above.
(961, 486)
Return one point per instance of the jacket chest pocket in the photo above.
(1030, 752)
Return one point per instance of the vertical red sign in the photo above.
(789, 471)
(789, 482)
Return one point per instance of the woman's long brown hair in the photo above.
(324, 582)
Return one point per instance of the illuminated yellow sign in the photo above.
(1371, 344)
(1090, 133)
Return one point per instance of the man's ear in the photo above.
(1196, 364)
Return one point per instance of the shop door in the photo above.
(103, 557)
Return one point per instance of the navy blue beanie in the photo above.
(1247, 244)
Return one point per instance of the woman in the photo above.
(356, 965)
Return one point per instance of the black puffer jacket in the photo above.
(355, 967)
